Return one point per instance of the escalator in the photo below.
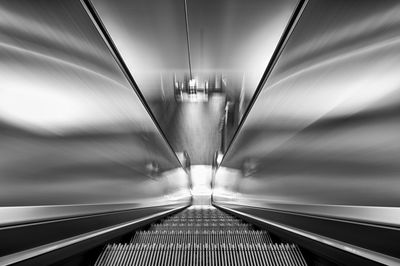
(201, 236)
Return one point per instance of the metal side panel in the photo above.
(343, 242)
(46, 242)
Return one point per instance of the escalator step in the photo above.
(201, 237)
(201, 254)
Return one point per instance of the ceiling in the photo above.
(232, 37)
(233, 40)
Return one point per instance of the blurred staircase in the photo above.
(201, 236)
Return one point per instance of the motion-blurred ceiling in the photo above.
(233, 39)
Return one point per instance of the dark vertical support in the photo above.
(187, 38)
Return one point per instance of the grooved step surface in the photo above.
(201, 236)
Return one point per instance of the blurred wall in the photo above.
(74, 137)
(323, 136)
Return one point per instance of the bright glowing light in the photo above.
(219, 158)
(192, 83)
(58, 104)
(201, 180)
(39, 108)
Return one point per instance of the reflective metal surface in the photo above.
(36, 252)
(372, 256)
(325, 128)
(230, 45)
(72, 130)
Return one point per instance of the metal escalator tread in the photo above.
(201, 236)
